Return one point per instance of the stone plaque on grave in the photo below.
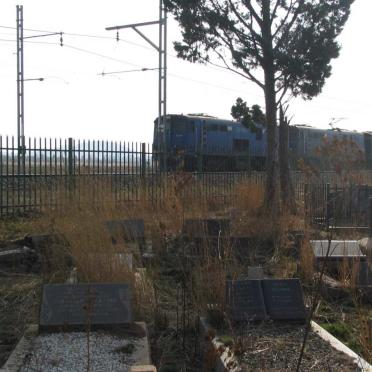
(245, 301)
(284, 299)
(211, 227)
(127, 230)
(97, 304)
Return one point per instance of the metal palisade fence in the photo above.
(49, 172)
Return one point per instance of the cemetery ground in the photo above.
(178, 269)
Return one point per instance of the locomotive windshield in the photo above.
(182, 125)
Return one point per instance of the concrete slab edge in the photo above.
(16, 358)
(141, 354)
(226, 361)
(338, 345)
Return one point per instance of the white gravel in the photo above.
(67, 352)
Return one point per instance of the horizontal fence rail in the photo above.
(47, 172)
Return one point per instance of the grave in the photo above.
(132, 230)
(245, 301)
(339, 250)
(207, 228)
(66, 306)
(284, 299)
(254, 299)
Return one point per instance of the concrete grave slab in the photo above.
(32, 351)
(338, 249)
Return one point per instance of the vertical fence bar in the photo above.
(328, 205)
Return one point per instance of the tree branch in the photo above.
(273, 14)
(290, 24)
(285, 90)
(284, 20)
(230, 45)
(249, 5)
(249, 76)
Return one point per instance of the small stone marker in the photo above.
(255, 272)
(77, 305)
(284, 299)
(245, 300)
(211, 227)
(127, 230)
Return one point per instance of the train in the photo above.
(199, 142)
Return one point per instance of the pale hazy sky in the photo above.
(74, 101)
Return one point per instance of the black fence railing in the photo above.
(47, 171)
(335, 206)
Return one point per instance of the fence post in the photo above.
(143, 159)
(306, 204)
(328, 205)
(370, 217)
(199, 162)
(70, 164)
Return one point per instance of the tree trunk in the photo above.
(271, 191)
(286, 185)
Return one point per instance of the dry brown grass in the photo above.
(81, 217)
(306, 260)
(249, 196)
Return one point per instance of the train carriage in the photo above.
(198, 142)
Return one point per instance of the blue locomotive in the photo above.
(205, 143)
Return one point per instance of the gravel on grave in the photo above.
(67, 352)
(276, 347)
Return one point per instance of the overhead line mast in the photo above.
(20, 86)
(162, 50)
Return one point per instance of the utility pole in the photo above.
(162, 93)
(20, 87)
(20, 90)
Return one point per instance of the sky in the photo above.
(75, 100)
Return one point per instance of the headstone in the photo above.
(211, 227)
(245, 301)
(255, 272)
(77, 305)
(127, 230)
(284, 299)
(338, 249)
